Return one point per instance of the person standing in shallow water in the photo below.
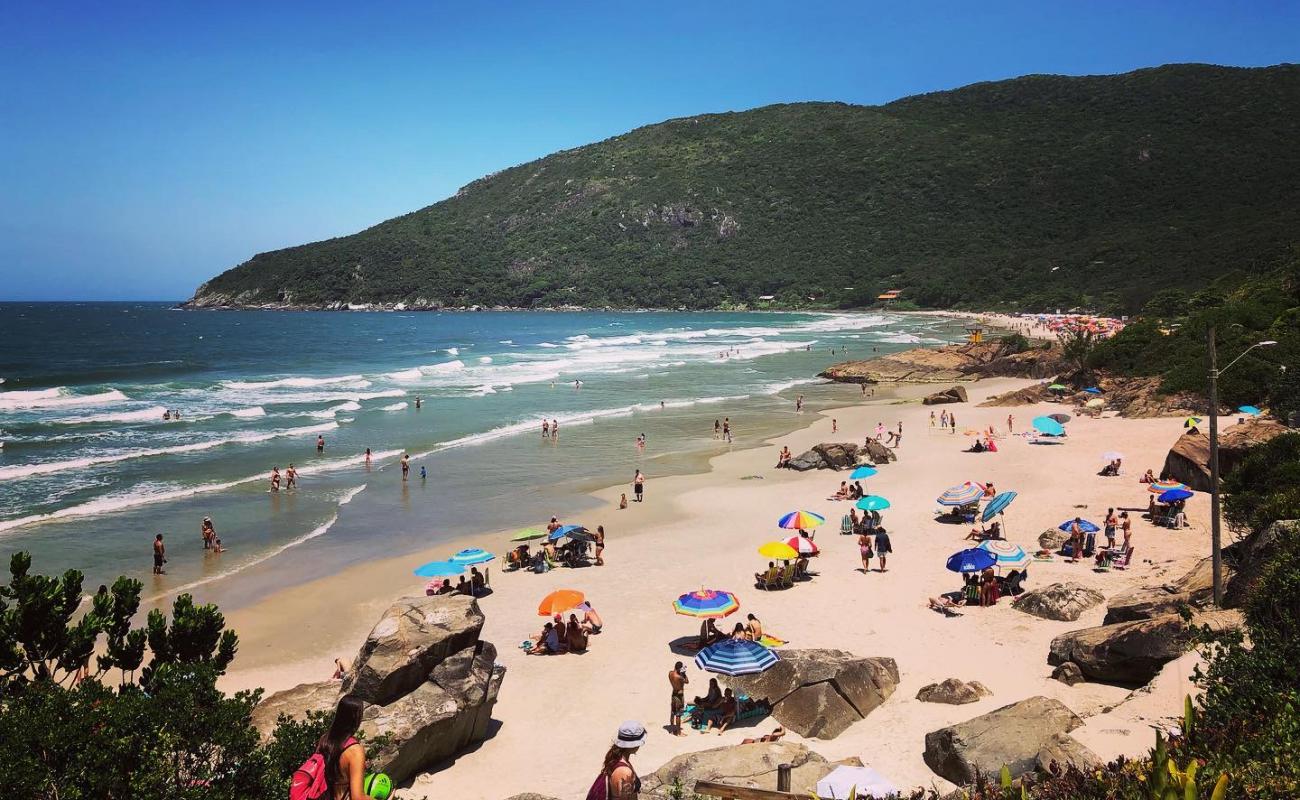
(159, 555)
(320, 444)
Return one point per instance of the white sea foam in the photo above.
(394, 407)
(485, 359)
(777, 388)
(152, 414)
(452, 351)
(406, 375)
(28, 470)
(248, 413)
(36, 399)
(356, 381)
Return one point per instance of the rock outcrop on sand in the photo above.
(954, 362)
(1195, 591)
(1012, 736)
(1069, 674)
(1189, 459)
(428, 680)
(1131, 653)
(1249, 556)
(749, 765)
(842, 455)
(1064, 750)
(1052, 539)
(953, 394)
(1127, 396)
(820, 693)
(953, 692)
(1060, 601)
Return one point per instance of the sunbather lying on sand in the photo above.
(774, 736)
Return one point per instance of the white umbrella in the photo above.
(842, 780)
(1113, 455)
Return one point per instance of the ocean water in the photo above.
(90, 470)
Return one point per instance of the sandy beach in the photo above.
(702, 530)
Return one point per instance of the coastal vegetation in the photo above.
(1037, 193)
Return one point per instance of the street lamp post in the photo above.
(1216, 540)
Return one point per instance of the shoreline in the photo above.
(701, 529)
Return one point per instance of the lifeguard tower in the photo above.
(975, 333)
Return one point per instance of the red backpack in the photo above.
(309, 779)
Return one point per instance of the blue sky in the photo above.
(147, 146)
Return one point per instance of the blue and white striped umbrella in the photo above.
(1011, 556)
(474, 555)
(962, 494)
(735, 657)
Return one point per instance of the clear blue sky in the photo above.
(146, 146)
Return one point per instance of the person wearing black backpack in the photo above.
(337, 770)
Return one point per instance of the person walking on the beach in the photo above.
(423, 473)
(883, 547)
(880, 431)
(275, 479)
(1011, 424)
(1076, 539)
(864, 389)
(546, 429)
(406, 465)
(555, 430)
(952, 423)
(159, 555)
(617, 780)
(943, 419)
(717, 429)
(677, 680)
(1126, 527)
(367, 456)
(931, 419)
(866, 551)
(600, 545)
(1109, 527)
(726, 429)
(638, 486)
(835, 425)
(320, 444)
(291, 477)
(798, 404)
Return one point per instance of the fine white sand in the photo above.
(558, 713)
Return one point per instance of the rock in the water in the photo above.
(443, 715)
(1064, 750)
(1068, 673)
(413, 636)
(1012, 736)
(953, 692)
(1052, 539)
(1131, 653)
(819, 693)
(955, 394)
(296, 702)
(1194, 590)
(1189, 459)
(1060, 601)
(876, 452)
(752, 766)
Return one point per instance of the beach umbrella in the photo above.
(1191, 422)
(1010, 556)
(1251, 410)
(1056, 387)
(706, 603)
(735, 657)
(474, 555)
(872, 502)
(1061, 418)
(560, 601)
(528, 534)
(997, 505)
(961, 495)
(1048, 426)
(971, 560)
(1095, 402)
(1093, 390)
(863, 472)
(803, 545)
(1160, 487)
(1112, 455)
(779, 551)
(800, 520)
(1084, 525)
(565, 530)
(1174, 495)
(440, 569)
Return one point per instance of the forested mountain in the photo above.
(1038, 192)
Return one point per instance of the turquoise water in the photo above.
(90, 470)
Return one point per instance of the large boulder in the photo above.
(410, 639)
(954, 394)
(1189, 459)
(1011, 736)
(446, 713)
(1060, 601)
(953, 692)
(876, 452)
(751, 766)
(296, 703)
(820, 693)
(810, 459)
(838, 455)
(1194, 590)
(1064, 750)
(1249, 557)
(1052, 539)
(1068, 673)
(1131, 653)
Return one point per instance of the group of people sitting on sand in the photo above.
(1113, 468)
(867, 523)
(558, 636)
(849, 491)
(1170, 515)
(476, 586)
(719, 708)
(751, 630)
(983, 444)
(784, 576)
(982, 589)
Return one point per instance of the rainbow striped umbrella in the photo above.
(962, 494)
(1011, 556)
(735, 657)
(1160, 487)
(801, 520)
(706, 603)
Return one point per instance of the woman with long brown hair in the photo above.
(345, 758)
(617, 779)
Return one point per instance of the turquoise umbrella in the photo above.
(862, 472)
(440, 569)
(474, 555)
(1048, 426)
(1251, 410)
(997, 505)
(873, 502)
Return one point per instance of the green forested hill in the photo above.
(1038, 192)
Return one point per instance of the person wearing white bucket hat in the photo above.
(617, 780)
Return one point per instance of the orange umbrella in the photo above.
(559, 601)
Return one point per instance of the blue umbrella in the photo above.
(971, 560)
(862, 472)
(1251, 410)
(872, 502)
(1048, 426)
(565, 530)
(735, 657)
(1174, 495)
(997, 505)
(1093, 390)
(1084, 525)
(440, 569)
(474, 555)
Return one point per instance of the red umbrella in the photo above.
(803, 545)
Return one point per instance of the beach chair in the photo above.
(846, 525)
(1122, 561)
(786, 576)
(512, 561)
(766, 580)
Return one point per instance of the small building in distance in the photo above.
(888, 297)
